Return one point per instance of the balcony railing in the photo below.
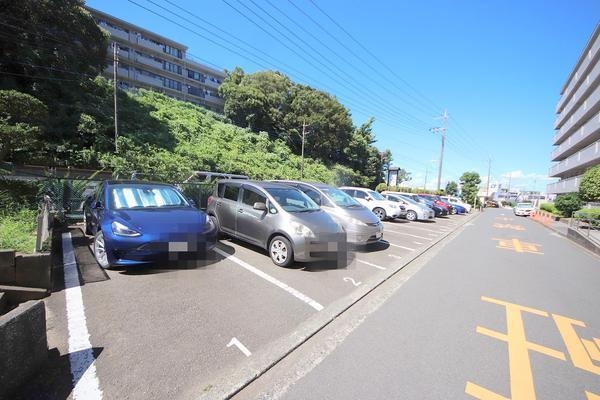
(588, 155)
(588, 131)
(564, 186)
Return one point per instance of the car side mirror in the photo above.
(97, 204)
(368, 198)
(192, 202)
(259, 205)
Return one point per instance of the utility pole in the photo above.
(115, 65)
(425, 183)
(487, 194)
(441, 130)
(303, 135)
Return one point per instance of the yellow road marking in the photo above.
(579, 349)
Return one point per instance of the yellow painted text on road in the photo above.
(518, 246)
(509, 226)
(583, 353)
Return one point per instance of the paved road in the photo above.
(506, 310)
(204, 331)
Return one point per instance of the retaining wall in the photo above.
(23, 345)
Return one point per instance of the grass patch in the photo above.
(18, 230)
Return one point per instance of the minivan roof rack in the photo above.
(208, 176)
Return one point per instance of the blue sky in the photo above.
(497, 67)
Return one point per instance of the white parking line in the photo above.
(81, 356)
(371, 264)
(402, 247)
(269, 278)
(408, 234)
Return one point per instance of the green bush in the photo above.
(568, 203)
(549, 207)
(18, 230)
(381, 187)
(591, 213)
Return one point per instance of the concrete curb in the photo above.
(233, 379)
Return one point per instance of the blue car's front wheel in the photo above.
(100, 250)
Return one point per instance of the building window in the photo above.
(171, 83)
(195, 91)
(172, 67)
(196, 75)
(173, 51)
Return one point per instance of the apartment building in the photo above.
(577, 126)
(150, 61)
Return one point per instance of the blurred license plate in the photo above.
(178, 246)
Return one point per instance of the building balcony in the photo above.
(584, 112)
(564, 186)
(148, 44)
(117, 33)
(588, 83)
(149, 62)
(566, 95)
(586, 134)
(579, 161)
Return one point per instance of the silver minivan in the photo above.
(279, 218)
(362, 226)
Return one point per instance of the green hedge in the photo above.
(592, 213)
(18, 230)
(549, 207)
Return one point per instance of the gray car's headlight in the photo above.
(123, 230)
(302, 230)
(355, 221)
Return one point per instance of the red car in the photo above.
(439, 202)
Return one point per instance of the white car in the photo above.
(414, 211)
(384, 209)
(524, 209)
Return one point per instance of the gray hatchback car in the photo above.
(362, 226)
(279, 218)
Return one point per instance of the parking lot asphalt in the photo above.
(207, 330)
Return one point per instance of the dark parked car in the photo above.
(136, 222)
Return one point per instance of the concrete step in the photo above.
(20, 294)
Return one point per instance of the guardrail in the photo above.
(587, 227)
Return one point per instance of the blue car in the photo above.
(136, 222)
(459, 209)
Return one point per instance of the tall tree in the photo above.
(47, 49)
(22, 120)
(470, 186)
(257, 101)
(452, 188)
(328, 123)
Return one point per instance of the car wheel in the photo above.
(86, 224)
(411, 215)
(220, 234)
(281, 252)
(100, 250)
(380, 212)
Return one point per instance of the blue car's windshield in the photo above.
(293, 200)
(144, 196)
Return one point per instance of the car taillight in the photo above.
(210, 200)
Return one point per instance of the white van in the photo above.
(384, 209)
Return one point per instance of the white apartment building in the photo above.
(577, 126)
(150, 61)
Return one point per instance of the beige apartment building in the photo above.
(150, 61)
(577, 126)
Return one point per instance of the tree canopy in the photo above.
(589, 187)
(470, 186)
